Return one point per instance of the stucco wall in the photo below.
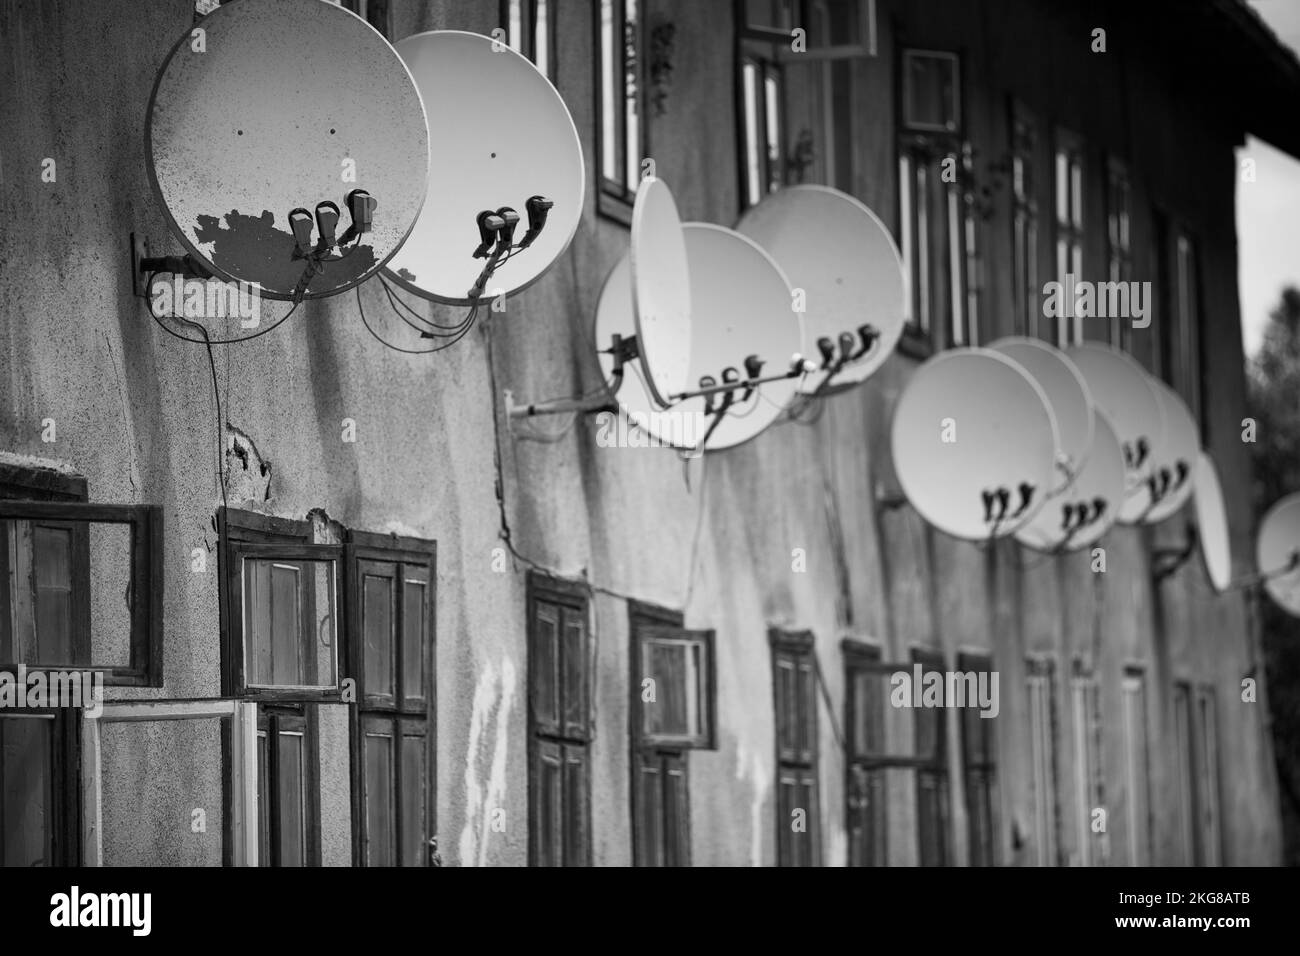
(134, 414)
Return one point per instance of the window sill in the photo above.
(614, 207)
(916, 344)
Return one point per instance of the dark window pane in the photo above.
(286, 626)
(293, 811)
(665, 665)
(413, 801)
(413, 638)
(377, 623)
(380, 805)
(26, 797)
(52, 560)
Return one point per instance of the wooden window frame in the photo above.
(239, 776)
(145, 668)
(1024, 197)
(250, 534)
(65, 784)
(1137, 765)
(987, 767)
(669, 759)
(400, 715)
(562, 740)
(614, 197)
(1072, 230)
(1119, 240)
(795, 645)
(272, 721)
(707, 739)
(1044, 796)
(528, 23)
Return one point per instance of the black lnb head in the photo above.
(327, 221)
(869, 334)
(509, 219)
(537, 207)
(827, 349)
(846, 346)
(361, 207)
(300, 223)
(753, 366)
(730, 374)
(489, 224)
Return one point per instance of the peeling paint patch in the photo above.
(247, 475)
(750, 766)
(489, 740)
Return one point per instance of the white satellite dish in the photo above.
(661, 291)
(506, 136)
(1212, 524)
(1123, 391)
(844, 259)
(740, 306)
(1068, 394)
(974, 443)
(1078, 516)
(1275, 553)
(1173, 473)
(285, 97)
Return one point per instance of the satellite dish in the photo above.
(1212, 524)
(974, 443)
(1173, 470)
(506, 137)
(844, 259)
(740, 303)
(661, 291)
(1068, 394)
(1279, 539)
(286, 98)
(1124, 392)
(1079, 515)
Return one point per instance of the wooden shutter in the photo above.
(417, 626)
(545, 685)
(649, 829)
(413, 791)
(548, 803)
(677, 811)
(378, 593)
(576, 809)
(379, 800)
(573, 670)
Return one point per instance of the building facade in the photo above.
(395, 616)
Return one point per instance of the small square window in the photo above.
(279, 608)
(680, 665)
(931, 91)
(64, 569)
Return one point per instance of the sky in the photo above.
(1268, 210)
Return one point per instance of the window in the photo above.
(40, 790)
(621, 126)
(374, 12)
(530, 29)
(220, 735)
(1069, 226)
(287, 795)
(932, 792)
(391, 657)
(794, 675)
(1196, 723)
(279, 609)
(1042, 742)
(672, 694)
(1185, 347)
(559, 723)
(64, 568)
(1089, 790)
(938, 218)
(979, 770)
(1137, 767)
(797, 112)
(1024, 220)
(1119, 252)
(866, 696)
